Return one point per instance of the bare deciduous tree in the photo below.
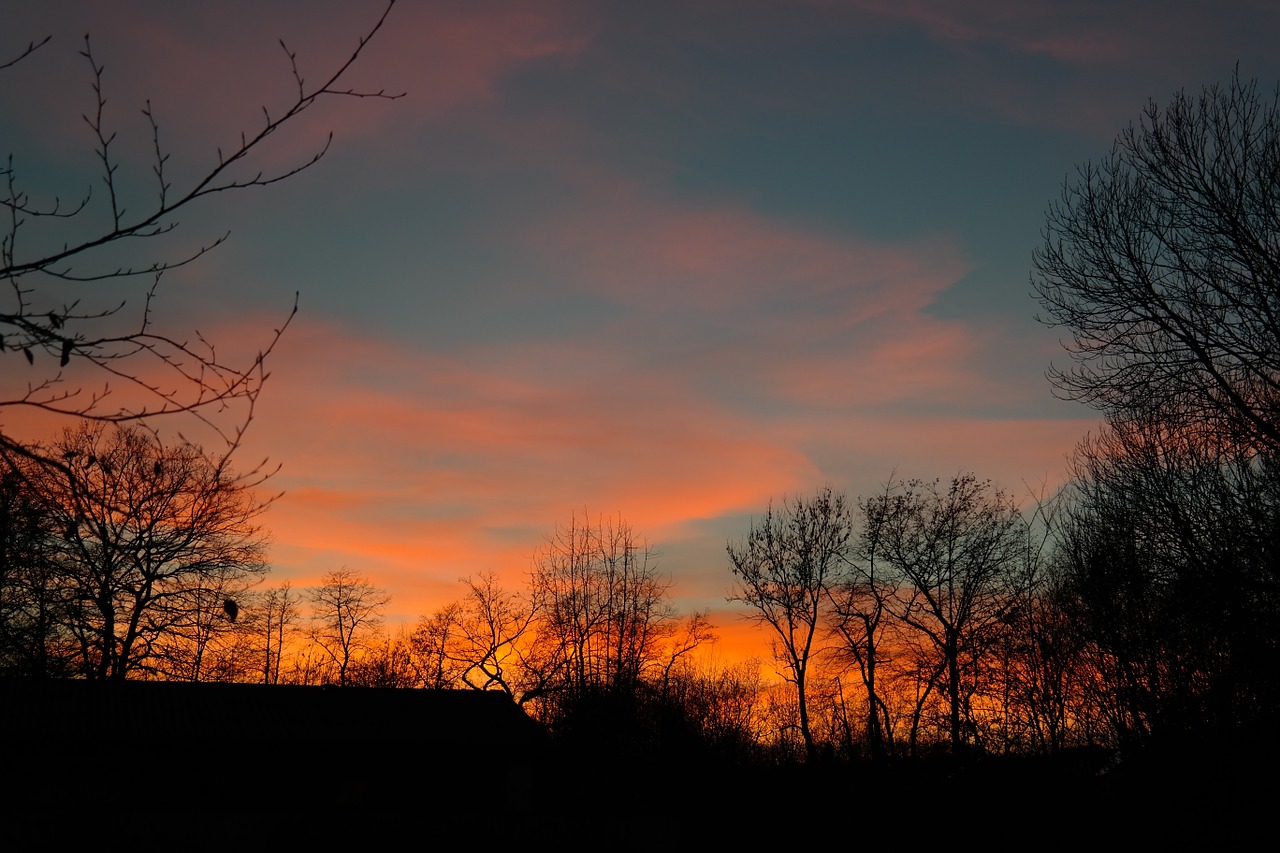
(492, 629)
(34, 640)
(784, 570)
(274, 618)
(432, 646)
(346, 610)
(149, 543)
(387, 662)
(860, 599)
(1162, 260)
(960, 549)
(1167, 554)
(603, 605)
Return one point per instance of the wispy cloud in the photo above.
(225, 70)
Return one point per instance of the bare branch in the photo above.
(192, 379)
(31, 48)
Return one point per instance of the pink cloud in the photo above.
(424, 468)
(920, 359)
(663, 257)
(798, 316)
(812, 318)
(212, 74)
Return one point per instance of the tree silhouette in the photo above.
(960, 550)
(1162, 261)
(272, 621)
(33, 638)
(346, 610)
(1168, 551)
(145, 543)
(784, 569)
(860, 599)
(433, 646)
(492, 627)
(603, 606)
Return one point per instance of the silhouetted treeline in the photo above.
(1160, 265)
(1140, 605)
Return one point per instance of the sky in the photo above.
(660, 262)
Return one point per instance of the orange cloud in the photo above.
(748, 358)
(420, 469)
(475, 467)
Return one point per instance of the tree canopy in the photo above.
(1162, 260)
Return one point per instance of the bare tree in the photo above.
(274, 619)
(346, 610)
(483, 642)
(603, 606)
(433, 646)
(208, 643)
(65, 267)
(387, 662)
(1167, 557)
(34, 639)
(493, 627)
(784, 568)
(149, 542)
(860, 599)
(721, 703)
(1162, 261)
(960, 549)
(1042, 667)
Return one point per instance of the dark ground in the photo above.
(215, 765)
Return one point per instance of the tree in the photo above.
(1167, 553)
(432, 647)
(604, 608)
(346, 609)
(209, 644)
(33, 638)
(273, 620)
(1041, 665)
(605, 636)
(483, 642)
(784, 569)
(859, 598)
(960, 550)
(66, 266)
(149, 543)
(492, 626)
(721, 702)
(1163, 262)
(387, 662)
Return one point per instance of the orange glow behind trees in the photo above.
(517, 305)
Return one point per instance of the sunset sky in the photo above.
(660, 261)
